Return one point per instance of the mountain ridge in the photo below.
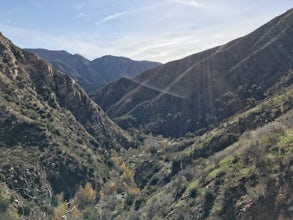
(50, 131)
(96, 73)
(62, 157)
(206, 87)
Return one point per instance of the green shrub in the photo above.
(4, 203)
(193, 193)
(2, 177)
(209, 201)
(155, 179)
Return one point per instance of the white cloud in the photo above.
(128, 12)
(112, 17)
(79, 5)
(157, 47)
(192, 3)
(83, 16)
(165, 42)
(152, 47)
(79, 9)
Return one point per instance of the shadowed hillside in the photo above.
(198, 91)
(53, 137)
(62, 157)
(93, 75)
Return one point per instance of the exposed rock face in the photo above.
(59, 90)
(202, 89)
(93, 75)
(52, 135)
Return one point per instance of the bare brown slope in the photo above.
(197, 91)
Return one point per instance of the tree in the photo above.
(59, 211)
(85, 196)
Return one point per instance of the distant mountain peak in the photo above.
(93, 75)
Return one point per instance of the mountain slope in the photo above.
(200, 90)
(53, 137)
(54, 140)
(93, 75)
(242, 169)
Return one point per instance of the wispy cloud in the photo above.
(112, 17)
(172, 33)
(127, 12)
(163, 47)
(79, 5)
(192, 3)
(152, 47)
(79, 8)
(83, 16)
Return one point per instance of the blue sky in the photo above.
(158, 30)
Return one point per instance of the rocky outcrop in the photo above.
(53, 137)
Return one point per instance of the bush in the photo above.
(138, 203)
(4, 203)
(85, 196)
(59, 211)
(155, 179)
(209, 201)
(133, 191)
(2, 177)
(193, 193)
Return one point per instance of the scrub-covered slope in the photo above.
(53, 137)
(196, 92)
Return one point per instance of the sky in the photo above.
(156, 30)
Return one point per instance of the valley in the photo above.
(209, 136)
